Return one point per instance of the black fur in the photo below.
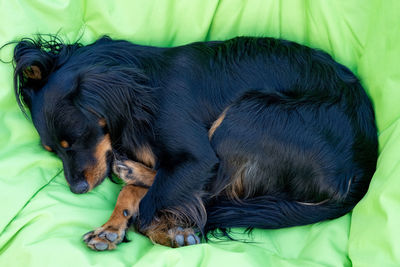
(298, 135)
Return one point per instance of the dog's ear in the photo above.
(33, 63)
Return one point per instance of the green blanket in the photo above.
(41, 221)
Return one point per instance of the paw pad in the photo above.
(183, 237)
(104, 238)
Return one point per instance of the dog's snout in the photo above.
(80, 187)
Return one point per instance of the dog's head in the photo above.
(77, 96)
(49, 86)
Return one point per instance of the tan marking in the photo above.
(163, 230)
(127, 204)
(47, 148)
(135, 173)
(240, 187)
(102, 122)
(128, 200)
(189, 214)
(145, 155)
(236, 188)
(64, 144)
(158, 230)
(33, 72)
(217, 123)
(143, 174)
(95, 173)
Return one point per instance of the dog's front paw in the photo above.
(123, 170)
(135, 173)
(104, 238)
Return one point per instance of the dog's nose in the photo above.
(80, 187)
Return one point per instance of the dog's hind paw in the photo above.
(174, 237)
(183, 237)
(104, 238)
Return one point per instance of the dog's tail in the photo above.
(271, 212)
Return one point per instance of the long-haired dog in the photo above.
(248, 132)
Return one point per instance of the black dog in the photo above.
(249, 132)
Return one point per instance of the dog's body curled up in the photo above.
(249, 132)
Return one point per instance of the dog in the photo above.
(247, 132)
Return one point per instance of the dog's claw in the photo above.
(87, 237)
(121, 166)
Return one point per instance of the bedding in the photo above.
(42, 222)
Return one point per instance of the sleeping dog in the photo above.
(248, 132)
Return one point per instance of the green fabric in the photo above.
(41, 221)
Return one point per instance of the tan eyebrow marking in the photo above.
(47, 148)
(64, 144)
(102, 122)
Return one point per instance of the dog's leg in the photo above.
(135, 173)
(138, 179)
(165, 230)
(108, 236)
(180, 183)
